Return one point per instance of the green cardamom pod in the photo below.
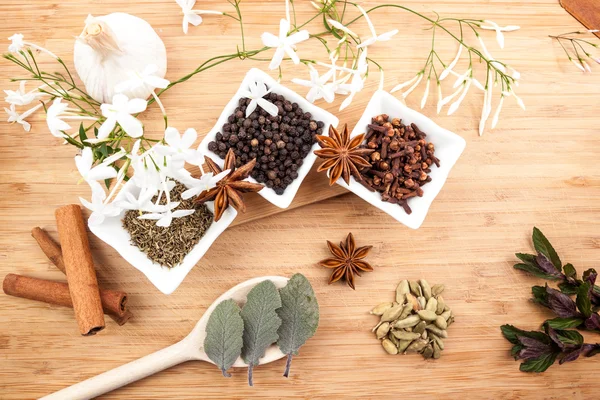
(432, 304)
(437, 351)
(446, 315)
(392, 314)
(424, 335)
(450, 320)
(427, 352)
(427, 315)
(437, 331)
(417, 345)
(437, 340)
(415, 289)
(381, 308)
(440, 305)
(401, 291)
(420, 327)
(426, 289)
(407, 322)
(441, 322)
(422, 302)
(436, 290)
(403, 345)
(412, 300)
(389, 346)
(393, 339)
(406, 311)
(403, 335)
(383, 330)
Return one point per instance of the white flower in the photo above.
(21, 98)
(142, 202)
(414, 86)
(319, 88)
(255, 93)
(454, 106)
(206, 182)
(426, 94)
(120, 112)
(578, 65)
(499, 36)
(417, 78)
(165, 217)
(487, 54)
(440, 103)
(284, 44)
(146, 78)
(53, 118)
(99, 209)
(14, 116)
(192, 16)
(16, 43)
(341, 27)
(102, 171)
(451, 66)
(497, 113)
(374, 37)
(179, 145)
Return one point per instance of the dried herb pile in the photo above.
(288, 317)
(540, 349)
(168, 246)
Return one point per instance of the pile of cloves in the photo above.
(401, 162)
(416, 322)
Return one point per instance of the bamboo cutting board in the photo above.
(538, 167)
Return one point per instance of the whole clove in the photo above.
(401, 162)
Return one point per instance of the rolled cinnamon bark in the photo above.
(79, 266)
(51, 292)
(113, 302)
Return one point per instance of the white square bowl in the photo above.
(112, 232)
(448, 148)
(284, 200)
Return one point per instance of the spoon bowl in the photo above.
(189, 348)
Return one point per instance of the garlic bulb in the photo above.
(113, 46)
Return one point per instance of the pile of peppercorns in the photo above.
(279, 143)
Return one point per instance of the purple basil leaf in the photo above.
(584, 304)
(571, 355)
(561, 304)
(569, 271)
(564, 323)
(591, 350)
(593, 322)
(554, 336)
(590, 276)
(543, 246)
(536, 271)
(539, 364)
(546, 265)
(533, 348)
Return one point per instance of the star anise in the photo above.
(347, 260)
(229, 189)
(343, 156)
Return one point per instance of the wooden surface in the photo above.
(539, 167)
(586, 12)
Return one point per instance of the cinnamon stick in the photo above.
(57, 293)
(113, 305)
(79, 266)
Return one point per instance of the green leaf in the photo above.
(569, 271)
(536, 272)
(540, 295)
(299, 315)
(511, 334)
(539, 364)
(583, 299)
(516, 349)
(224, 331)
(82, 135)
(261, 323)
(573, 338)
(564, 323)
(543, 246)
(568, 288)
(526, 258)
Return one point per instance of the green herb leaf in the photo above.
(260, 323)
(511, 334)
(82, 135)
(569, 271)
(540, 295)
(543, 246)
(564, 323)
(224, 331)
(583, 299)
(536, 272)
(539, 364)
(526, 258)
(299, 315)
(569, 338)
(568, 288)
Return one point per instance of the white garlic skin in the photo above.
(112, 46)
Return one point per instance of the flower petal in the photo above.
(106, 128)
(131, 125)
(277, 58)
(269, 39)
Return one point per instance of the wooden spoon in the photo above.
(188, 349)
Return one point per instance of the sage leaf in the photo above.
(583, 301)
(260, 323)
(543, 246)
(564, 323)
(299, 315)
(224, 331)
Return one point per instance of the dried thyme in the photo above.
(168, 246)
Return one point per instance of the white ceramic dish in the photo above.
(111, 231)
(284, 200)
(448, 148)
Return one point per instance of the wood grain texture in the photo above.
(538, 167)
(586, 12)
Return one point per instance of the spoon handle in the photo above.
(125, 374)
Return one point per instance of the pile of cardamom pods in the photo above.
(416, 322)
